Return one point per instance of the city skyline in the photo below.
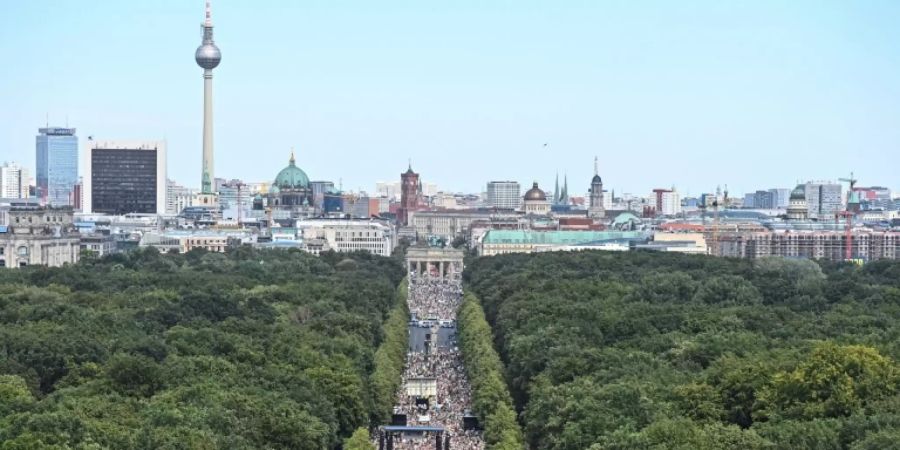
(478, 94)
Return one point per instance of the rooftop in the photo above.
(573, 237)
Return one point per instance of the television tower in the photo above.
(208, 57)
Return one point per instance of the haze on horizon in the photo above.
(691, 94)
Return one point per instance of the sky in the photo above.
(692, 94)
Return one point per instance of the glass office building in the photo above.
(56, 155)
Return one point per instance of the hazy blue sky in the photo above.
(754, 94)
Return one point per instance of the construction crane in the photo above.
(848, 232)
(716, 217)
(240, 203)
(852, 181)
(848, 217)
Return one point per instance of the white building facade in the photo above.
(178, 197)
(671, 203)
(504, 194)
(14, 181)
(37, 236)
(348, 235)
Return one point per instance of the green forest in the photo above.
(247, 350)
(644, 350)
(595, 350)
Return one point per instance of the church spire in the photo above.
(556, 190)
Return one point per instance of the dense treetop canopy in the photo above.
(245, 350)
(663, 351)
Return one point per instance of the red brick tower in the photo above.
(409, 195)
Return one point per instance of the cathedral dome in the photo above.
(292, 177)
(799, 193)
(535, 194)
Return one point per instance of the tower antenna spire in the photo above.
(596, 169)
(208, 13)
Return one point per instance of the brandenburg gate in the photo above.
(439, 263)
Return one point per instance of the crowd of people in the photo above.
(436, 299)
(433, 298)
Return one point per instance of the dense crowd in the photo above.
(431, 298)
(438, 300)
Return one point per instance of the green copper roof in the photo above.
(799, 193)
(292, 177)
(574, 237)
(625, 217)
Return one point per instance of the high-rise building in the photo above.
(13, 181)
(208, 57)
(504, 194)
(762, 200)
(668, 202)
(235, 200)
(597, 206)
(750, 200)
(78, 195)
(319, 188)
(389, 189)
(830, 200)
(769, 199)
(823, 199)
(126, 177)
(428, 189)
(410, 193)
(56, 155)
(178, 197)
(781, 197)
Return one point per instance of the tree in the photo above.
(359, 441)
(833, 381)
(728, 290)
(14, 395)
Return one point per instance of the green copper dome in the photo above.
(292, 177)
(799, 193)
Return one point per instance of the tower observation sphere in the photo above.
(208, 56)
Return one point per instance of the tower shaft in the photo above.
(208, 176)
